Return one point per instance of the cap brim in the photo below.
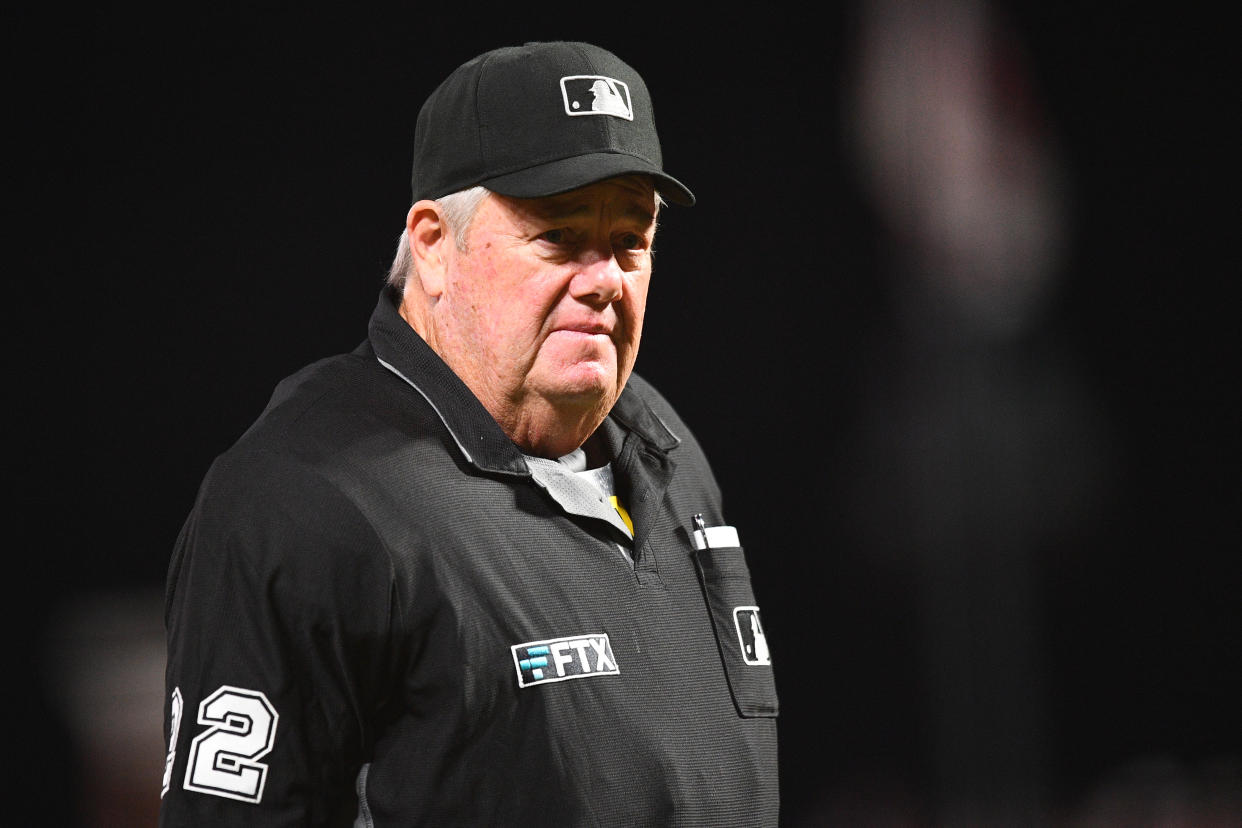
(567, 174)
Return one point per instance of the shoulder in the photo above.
(336, 417)
(307, 474)
(330, 399)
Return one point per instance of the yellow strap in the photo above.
(625, 516)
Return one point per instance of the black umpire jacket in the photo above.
(376, 617)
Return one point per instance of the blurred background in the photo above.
(951, 317)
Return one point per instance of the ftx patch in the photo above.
(559, 659)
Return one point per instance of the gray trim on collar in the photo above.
(434, 408)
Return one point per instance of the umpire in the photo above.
(476, 572)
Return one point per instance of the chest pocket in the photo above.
(739, 631)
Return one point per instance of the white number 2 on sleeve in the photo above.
(223, 759)
(174, 728)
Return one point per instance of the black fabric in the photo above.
(346, 567)
(504, 120)
(726, 587)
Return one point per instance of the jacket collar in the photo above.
(477, 435)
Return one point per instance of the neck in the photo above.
(543, 429)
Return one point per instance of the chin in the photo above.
(583, 386)
(583, 394)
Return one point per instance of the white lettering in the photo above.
(223, 759)
(581, 646)
(174, 728)
(560, 656)
(600, 645)
(566, 658)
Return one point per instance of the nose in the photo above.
(598, 281)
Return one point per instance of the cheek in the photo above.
(469, 314)
(635, 305)
(503, 314)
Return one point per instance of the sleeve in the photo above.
(279, 617)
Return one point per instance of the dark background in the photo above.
(211, 201)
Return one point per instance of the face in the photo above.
(542, 313)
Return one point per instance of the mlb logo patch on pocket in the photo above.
(751, 637)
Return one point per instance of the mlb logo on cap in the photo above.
(596, 95)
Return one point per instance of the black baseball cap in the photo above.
(538, 120)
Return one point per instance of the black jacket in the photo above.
(374, 613)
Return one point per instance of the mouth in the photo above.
(584, 330)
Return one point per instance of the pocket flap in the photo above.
(740, 635)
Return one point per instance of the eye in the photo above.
(558, 235)
(631, 241)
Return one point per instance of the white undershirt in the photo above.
(581, 491)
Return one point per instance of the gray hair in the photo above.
(458, 209)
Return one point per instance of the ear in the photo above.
(428, 238)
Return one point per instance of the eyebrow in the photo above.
(557, 212)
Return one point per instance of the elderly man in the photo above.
(475, 572)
